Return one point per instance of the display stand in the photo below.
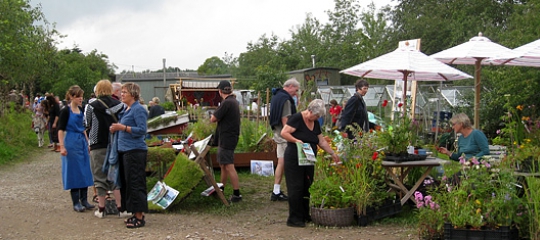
(209, 178)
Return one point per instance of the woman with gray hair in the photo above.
(302, 127)
(471, 142)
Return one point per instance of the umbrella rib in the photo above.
(365, 74)
(444, 77)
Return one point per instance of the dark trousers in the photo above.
(299, 179)
(133, 180)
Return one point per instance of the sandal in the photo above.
(135, 222)
(130, 219)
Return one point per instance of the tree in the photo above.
(268, 78)
(25, 47)
(213, 66)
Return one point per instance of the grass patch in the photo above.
(18, 141)
(255, 190)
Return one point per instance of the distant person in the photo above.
(53, 111)
(355, 112)
(156, 110)
(141, 101)
(40, 122)
(471, 142)
(74, 150)
(132, 152)
(335, 111)
(282, 106)
(227, 116)
(117, 88)
(302, 127)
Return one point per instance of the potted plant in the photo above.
(397, 138)
(357, 182)
(477, 195)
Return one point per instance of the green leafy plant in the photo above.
(358, 181)
(430, 217)
(476, 194)
(398, 136)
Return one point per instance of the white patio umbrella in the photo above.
(406, 63)
(477, 52)
(527, 55)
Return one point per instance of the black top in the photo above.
(355, 112)
(99, 118)
(155, 111)
(302, 133)
(53, 113)
(228, 127)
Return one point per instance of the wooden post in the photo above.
(200, 159)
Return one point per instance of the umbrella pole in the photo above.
(478, 69)
(404, 98)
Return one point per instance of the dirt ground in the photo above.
(34, 206)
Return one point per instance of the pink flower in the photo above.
(475, 161)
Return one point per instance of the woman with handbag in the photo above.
(100, 114)
(74, 150)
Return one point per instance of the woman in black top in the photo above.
(302, 127)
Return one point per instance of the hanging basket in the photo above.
(340, 217)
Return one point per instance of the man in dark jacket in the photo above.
(281, 107)
(355, 111)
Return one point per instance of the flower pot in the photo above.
(502, 233)
(339, 217)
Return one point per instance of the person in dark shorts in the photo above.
(227, 116)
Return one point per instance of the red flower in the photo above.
(400, 105)
(358, 165)
(384, 103)
(375, 155)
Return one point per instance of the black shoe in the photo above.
(298, 225)
(235, 198)
(278, 197)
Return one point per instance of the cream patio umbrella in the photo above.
(527, 55)
(477, 52)
(406, 63)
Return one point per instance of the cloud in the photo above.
(138, 34)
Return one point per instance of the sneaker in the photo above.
(99, 214)
(124, 214)
(235, 198)
(278, 197)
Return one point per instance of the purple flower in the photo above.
(475, 161)
(418, 196)
(433, 206)
(507, 197)
(462, 160)
(498, 131)
(444, 178)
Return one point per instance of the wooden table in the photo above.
(404, 169)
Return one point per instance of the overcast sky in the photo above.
(139, 34)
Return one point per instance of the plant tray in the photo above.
(409, 157)
(502, 233)
(381, 212)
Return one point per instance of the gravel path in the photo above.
(34, 206)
